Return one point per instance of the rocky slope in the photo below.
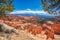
(23, 35)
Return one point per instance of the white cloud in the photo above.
(28, 11)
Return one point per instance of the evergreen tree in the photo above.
(51, 5)
(6, 5)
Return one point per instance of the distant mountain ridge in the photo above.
(38, 15)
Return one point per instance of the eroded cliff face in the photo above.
(20, 28)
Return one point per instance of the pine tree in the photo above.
(51, 5)
(6, 5)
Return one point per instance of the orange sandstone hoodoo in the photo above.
(37, 30)
(48, 31)
(56, 28)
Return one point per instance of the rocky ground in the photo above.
(24, 36)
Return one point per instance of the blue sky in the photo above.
(28, 4)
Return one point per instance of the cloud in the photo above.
(28, 11)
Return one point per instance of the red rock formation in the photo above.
(56, 28)
(37, 30)
(48, 31)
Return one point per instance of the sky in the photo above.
(28, 4)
